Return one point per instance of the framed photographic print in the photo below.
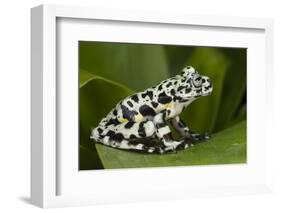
(149, 106)
(138, 67)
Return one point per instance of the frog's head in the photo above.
(193, 85)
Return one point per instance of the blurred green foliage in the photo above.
(111, 71)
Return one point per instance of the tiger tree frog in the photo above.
(141, 121)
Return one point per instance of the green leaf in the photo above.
(234, 87)
(97, 97)
(241, 115)
(85, 77)
(88, 158)
(228, 146)
(177, 56)
(201, 115)
(136, 65)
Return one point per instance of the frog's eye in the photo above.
(197, 81)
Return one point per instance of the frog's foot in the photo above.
(173, 147)
(184, 145)
(124, 144)
(164, 148)
(160, 150)
(194, 137)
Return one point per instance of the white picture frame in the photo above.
(45, 165)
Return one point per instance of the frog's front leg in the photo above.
(182, 128)
(163, 133)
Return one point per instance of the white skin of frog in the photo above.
(150, 97)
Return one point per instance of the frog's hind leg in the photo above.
(125, 135)
(132, 146)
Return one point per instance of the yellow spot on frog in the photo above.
(123, 120)
(138, 117)
(169, 106)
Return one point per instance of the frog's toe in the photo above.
(206, 136)
(182, 146)
(200, 137)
